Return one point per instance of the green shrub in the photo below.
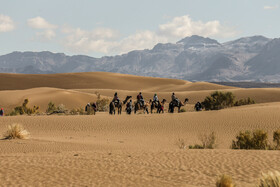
(218, 100)
(102, 104)
(51, 107)
(248, 140)
(276, 139)
(23, 109)
(224, 181)
(247, 101)
(196, 146)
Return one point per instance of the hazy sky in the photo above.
(110, 27)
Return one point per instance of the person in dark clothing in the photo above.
(116, 98)
(129, 107)
(140, 99)
(198, 106)
(175, 99)
(2, 112)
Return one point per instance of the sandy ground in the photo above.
(136, 150)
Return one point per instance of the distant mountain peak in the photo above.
(195, 39)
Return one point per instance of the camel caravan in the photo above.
(142, 105)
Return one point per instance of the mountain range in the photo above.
(193, 58)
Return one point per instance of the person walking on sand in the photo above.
(2, 112)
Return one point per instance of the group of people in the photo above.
(141, 101)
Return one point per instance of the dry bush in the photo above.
(181, 143)
(224, 181)
(248, 140)
(271, 179)
(78, 111)
(16, 131)
(207, 142)
(276, 139)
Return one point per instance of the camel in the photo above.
(159, 106)
(117, 105)
(174, 104)
(91, 108)
(144, 107)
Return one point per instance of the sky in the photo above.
(109, 27)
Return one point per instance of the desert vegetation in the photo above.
(270, 179)
(224, 181)
(16, 131)
(102, 103)
(219, 100)
(257, 139)
(53, 109)
(23, 109)
(208, 141)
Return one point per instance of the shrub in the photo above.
(183, 110)
(23, 109)
(78, 111)
(276, 139)
(247, 101)
(224, 181)
(270, 179)
(102, 104)
(248, 140)
(51, 107)
(208, 142)
(218, 100)
(181, 143)
(16, 131)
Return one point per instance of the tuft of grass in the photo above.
(271, 179)
(16, 131)
(224, 181)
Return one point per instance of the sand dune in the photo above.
(136, 150)
(99, 80)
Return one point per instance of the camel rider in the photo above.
(129, 105)
(156, 101)
(116, 98)
(140, 99)
(175, 99)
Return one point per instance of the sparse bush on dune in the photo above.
(181, 143)
(53, 109)
(207, 142)
(16, 131)
(257, 139)
(78, 111)
(224, 181)
(219, 100)
(271, 179)
(276, 139)
(102, 104)
(23, 109)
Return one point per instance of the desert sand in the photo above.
(136, 150)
